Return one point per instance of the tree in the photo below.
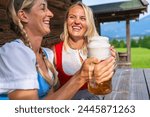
(146, 42)
(140, 42)
(122, 44)
(115, 43)
(134, 43)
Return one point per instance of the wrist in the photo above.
(80, 78)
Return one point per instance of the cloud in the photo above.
(147, 30)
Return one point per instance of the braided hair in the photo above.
(15, 24)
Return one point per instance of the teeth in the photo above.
(78, 28)
(46, 22)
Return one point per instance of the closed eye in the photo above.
(83, 18)
(71, 17)
(43, 6)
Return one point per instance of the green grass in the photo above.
(140, 57)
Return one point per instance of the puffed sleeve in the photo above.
(17, 67)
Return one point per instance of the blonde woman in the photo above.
(26, 69)
(70, 54)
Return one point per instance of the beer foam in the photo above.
(98, 41)
(99, 47)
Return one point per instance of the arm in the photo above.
(102, 71)
(31, 94)
(65, 92)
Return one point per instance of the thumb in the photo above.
(93, 60)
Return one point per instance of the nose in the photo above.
(50, 14)
(77, 20)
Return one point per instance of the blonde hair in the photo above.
(15, 24)
(91, 29)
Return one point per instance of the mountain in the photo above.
(118, 29)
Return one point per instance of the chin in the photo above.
(47, 32)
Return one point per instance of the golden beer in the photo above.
(100, 89)
(99, 47)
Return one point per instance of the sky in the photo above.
(95, 2)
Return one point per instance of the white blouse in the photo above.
(17, 67)
(71, 62)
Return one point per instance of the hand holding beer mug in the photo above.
(99, 47)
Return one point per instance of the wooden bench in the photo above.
(123, 60)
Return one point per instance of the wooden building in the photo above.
(58, 7)
(120, 11)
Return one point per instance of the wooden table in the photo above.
(130, 84)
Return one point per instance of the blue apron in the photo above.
(44, 88)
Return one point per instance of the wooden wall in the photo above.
(58, 7)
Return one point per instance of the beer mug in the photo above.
(99, 47)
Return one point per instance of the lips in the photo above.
(76, 28)
(47, 22)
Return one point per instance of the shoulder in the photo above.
(15, 48)
(17, 66)
(15, 55)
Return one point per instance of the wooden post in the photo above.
(99, 29)
(128, 40)
(97, 24)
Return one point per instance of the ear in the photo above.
(22, 16)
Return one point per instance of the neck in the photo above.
(35, 43)
(76, 44)
(35, 40)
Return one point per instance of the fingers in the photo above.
(103, 66)
(105, 70)
(112, 48)
(105, 76)
(88, 65)
(87, 68)
(92, 60)
(101, 70)
(91, 69)
(113, 51)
